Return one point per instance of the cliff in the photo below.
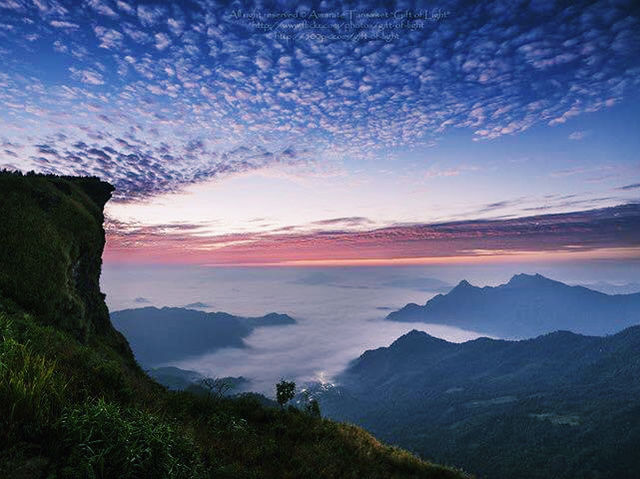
(51, 255)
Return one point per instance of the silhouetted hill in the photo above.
(183, 379)
(197, 305)
(175, 378)
(561, 405)
(160, 335)
(528, 305)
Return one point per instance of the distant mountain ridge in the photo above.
(183, 379)
(161, 335)
(526, 306)
(559, 405)
(613, 288)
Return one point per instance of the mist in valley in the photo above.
(339, 311)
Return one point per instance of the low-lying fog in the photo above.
(340, 311)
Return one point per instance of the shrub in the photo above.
(105, 440)
(31, 393)
(313, 408)
(285, 391)
(108, 375)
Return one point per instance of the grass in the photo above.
(31, 394)
(79, 414)
(106, 440)
(78, 410)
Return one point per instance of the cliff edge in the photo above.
(51, 255)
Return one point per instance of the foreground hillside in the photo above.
(74, 403)
(561, 405)
(526, 306)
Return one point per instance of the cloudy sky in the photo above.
(312, 132)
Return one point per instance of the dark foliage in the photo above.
(561, 405)
(285, 391)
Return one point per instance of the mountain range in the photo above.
(561, 405)
(526, 306)
(161, 335)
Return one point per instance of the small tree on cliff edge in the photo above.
(285, 390)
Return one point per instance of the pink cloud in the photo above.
(579, 232)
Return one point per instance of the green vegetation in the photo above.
(74, 403)
(313, 407)
(52, 241)
(72, 411)
(107, 440)
(285, 391)
(559, 406)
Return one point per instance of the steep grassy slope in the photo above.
(73, 402)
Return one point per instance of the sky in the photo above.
(325, 133)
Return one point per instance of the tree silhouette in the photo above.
(313, 408)
(285, 390)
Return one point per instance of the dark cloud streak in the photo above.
(580, 231)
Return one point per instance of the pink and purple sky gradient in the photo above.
(472, 132)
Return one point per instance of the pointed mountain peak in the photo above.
(463, 285)
(416, 339)
(415, 333)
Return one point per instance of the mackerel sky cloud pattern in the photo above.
(154, 97)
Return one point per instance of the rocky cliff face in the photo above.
(51, 243)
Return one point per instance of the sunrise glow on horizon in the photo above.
(489, 132)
